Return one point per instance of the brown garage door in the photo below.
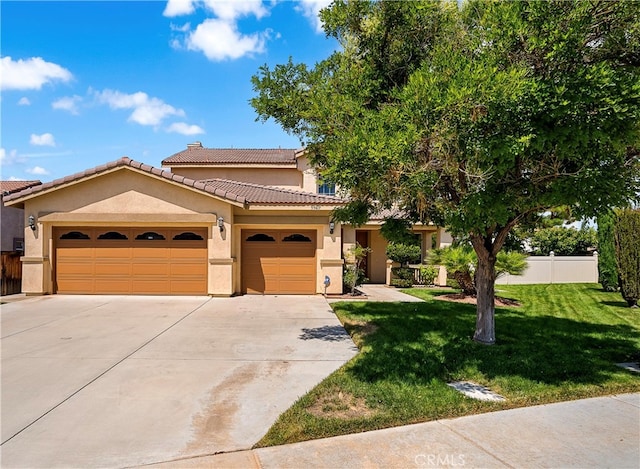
(279, 261)
(156, 261)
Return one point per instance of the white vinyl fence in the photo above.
(556, 269)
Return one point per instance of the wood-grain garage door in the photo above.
(279, 261)
(155, 261)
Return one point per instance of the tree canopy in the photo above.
(476, 117)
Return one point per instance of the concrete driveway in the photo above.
(106, 381)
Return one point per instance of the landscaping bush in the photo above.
(563, 241)
(607, 269)
(403, 253)
(428, 274)
(402, 277)
(627, 232)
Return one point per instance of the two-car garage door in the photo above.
(111, 260)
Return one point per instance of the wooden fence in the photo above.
(11, 278)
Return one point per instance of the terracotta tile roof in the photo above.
(242, 193)
(196, 154)
(9, 187)
(268, 195)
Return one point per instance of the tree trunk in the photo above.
(465, 282)
(485, 286)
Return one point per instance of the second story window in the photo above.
(326, 188)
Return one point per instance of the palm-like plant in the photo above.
(461, 261)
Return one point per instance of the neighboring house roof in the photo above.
(196, 154)
(237, 192)
(268, 195)
(9, 187)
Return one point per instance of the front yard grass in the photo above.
(561, 344)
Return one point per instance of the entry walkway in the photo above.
(380, 293)
(600, 432)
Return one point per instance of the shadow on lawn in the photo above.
(418, 343)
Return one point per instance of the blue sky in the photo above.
(87, 82)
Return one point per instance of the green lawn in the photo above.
(561, 344)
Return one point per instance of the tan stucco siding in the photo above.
(287, 178)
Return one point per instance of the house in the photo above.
(11, 237)
(213, 221)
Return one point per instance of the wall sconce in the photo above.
(221, 224)
(32, 222)
(332, 226)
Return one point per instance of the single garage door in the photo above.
(154, 261)
(279, 261)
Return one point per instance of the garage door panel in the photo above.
(153, 269)
(188, 270)
(75, 268)
(112, 253)
(111, 268)
(118, 263)
(112, 286)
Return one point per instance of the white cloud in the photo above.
(42, 140)
(311, 9)
(68, 103)
(24, 101)
(146, 110)
(7, 157)
(178, 7)
(185, 129)
(30, 74)
(38, 170)
(232, 10)
(13, 178)
(221, 40)
(183, 29)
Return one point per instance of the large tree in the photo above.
(476, 117)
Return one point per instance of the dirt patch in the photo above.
(460, 298)
(341, 405)
(360, 328)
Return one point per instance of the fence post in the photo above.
(552, 256)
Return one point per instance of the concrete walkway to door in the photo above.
(116, 381)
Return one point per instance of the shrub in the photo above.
(403, 253)
(402, 277)
(627, 232)
(428, 274)
(607, 269)
(563, 241)
(353, 274)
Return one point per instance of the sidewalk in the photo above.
(598, 432)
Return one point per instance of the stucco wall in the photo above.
(288, 178)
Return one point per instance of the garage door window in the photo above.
(112, 235)
(188, 236)
(151, 236)
(261, 237)
(296, 238)
(75, 235)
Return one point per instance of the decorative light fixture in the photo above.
(332, 226)
(221, 224)
(32, 222)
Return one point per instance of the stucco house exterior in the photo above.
(212, 221)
